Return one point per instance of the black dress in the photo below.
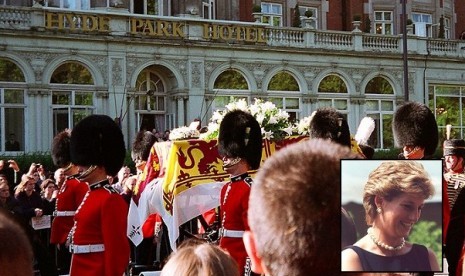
(416, 259)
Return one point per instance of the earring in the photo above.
(378, 210)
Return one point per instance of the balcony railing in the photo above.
(216, 31)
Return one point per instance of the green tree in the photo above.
(283, 81)
(332, 84)
(429, 234)
(10, 72)
(296, 19)
(72, 73)
(231, 79)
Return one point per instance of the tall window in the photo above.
(150, 102)
(70, 105)
(283, 91)
(383, 22)
(208, 11)
(69, 4)
(446, 27)
(423, 24)
(448, 102)
(229, 85)
(272, 14)
(332, 92)
(12, 107)
(380, 105)
(153, 7)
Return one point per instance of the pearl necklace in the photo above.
(382, 244)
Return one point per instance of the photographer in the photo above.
(9, 172)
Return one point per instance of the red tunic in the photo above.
(69, 198)
(233, 210)
(101, 219)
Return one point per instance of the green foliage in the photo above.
(332, 84)
(379, 85)
(72, 73)
(357, 17)
(10, 72)
(231, 79)
(296, 19)
(283, 81)
(409, 21)
(429, 234)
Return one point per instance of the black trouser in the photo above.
(63, 259)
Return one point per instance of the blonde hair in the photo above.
(392, 179)
(202, 259)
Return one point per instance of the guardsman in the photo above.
(240, 147)
(70, 194)
(98, 239)
(415, 130)
(454, 155)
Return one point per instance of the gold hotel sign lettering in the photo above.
(156, 28)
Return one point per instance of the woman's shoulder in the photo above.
(350, 260)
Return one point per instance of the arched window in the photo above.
(333, 93)
(282, 90)
(72, 98)
(150, 102)
(12, 106)
(380, 105)
(229, 85)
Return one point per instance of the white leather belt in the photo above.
(231, 233)
(64, 213)
(91, 248)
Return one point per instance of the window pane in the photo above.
(387, 105)
(277, 101)
(447, 90)
(72, 73)
(325, 103)
(79, 114)
(61, 97)
(448, 111)
(276, 21)
(14, 128)
(83, 99)
(161, 103)
(388, 138)
(10, 72)
(379, 85)
(378, 16)
(231, 79)
(332, 84)
(340, 104)
(372, 105)
(387, 16)
(265, 8)
(292, 103)
(14, 96)
(388, 29)
(276, 9)
(60, 120)
(283, 81)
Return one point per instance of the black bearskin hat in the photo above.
(414, 124)
(61, 155)
(454, 147)
(328, 123)
(142, 145)
(97, 140)
(234, 141)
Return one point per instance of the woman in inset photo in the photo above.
(393, 198)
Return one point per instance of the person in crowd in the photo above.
(294, 210)
(128, 188)
(141, 149)
(122, 175)
(98, 238)
(240, 147)
(454, 178)
(7, 201)
(10, 171)
(12, 144)
(69, 196)
(348, 230)
(393, 198)
(16, 251)
(32, 206)
(48, 190)
(328, 123)
(200, 258)
(415, 131)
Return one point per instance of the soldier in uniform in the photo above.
(98, 238)
(328, 123)
(454, 155)
(70, 194)
(415, 130)
(240, 146)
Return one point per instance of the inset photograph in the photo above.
(391, 216)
